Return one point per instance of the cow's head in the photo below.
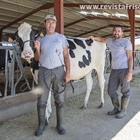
(26, 36)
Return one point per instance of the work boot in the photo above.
(59, 126)
(41, 121)
(115, 102)
(124, 104)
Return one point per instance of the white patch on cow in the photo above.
(24, 31)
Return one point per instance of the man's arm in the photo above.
(67, 64)
(37, 51)
(100, 39)
(130, 65)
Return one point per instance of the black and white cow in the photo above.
(85, 55)
(25, 36)
(6, 39)
(5, 42)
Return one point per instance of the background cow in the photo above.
(6, 39)
(85, 55)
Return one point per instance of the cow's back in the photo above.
(86, 59)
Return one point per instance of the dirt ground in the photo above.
(88, 124)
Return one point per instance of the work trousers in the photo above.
(51, 80)
(118, 77)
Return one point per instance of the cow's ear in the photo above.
(42, 32)
(36, 33)
(10, 39)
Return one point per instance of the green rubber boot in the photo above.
(124, 104)
(59, 126)
(41, 121)
(115, 102)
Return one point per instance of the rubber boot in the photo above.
(41, 121)
(59, 126)
(124, 104)
(115, 102)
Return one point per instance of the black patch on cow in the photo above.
(72, 55)
(2, 59)
(89, 42)
(81, 64)
(32, 38)
(71, 48)
(79, 42)
(19, 40)
(89, 55)
(85, 60)
(71, 45)
(34, 65)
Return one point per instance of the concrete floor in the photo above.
(88, 124)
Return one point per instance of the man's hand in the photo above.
(90, 37)
(37, 45)
(67, 77)
(37, 51)
(129, 76)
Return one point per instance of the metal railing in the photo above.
(107, 68)
(15, 58)
(108, 60)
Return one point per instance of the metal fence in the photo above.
(10, 68)
(16, 59)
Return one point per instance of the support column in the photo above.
(131, 14)
(59, 13)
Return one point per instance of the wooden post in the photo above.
(131, 13)
(59, 13)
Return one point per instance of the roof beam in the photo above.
(77, 21)
(46, 6)
(99, 18)
(91, 31)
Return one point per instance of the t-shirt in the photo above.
(118, 52)
(51, 55)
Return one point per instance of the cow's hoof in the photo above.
(100, 106)
(46, 122)
(83, 107)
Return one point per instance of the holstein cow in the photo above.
(5, 40)
(85, 55)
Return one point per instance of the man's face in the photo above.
(117, 33)
(50, 25)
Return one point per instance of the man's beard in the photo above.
(116, 36)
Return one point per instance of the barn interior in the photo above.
(81, 18)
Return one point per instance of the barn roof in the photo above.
(83, 20)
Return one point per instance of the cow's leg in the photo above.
(101, 82)
(9, 74)
(89, 83)
(48, 109)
